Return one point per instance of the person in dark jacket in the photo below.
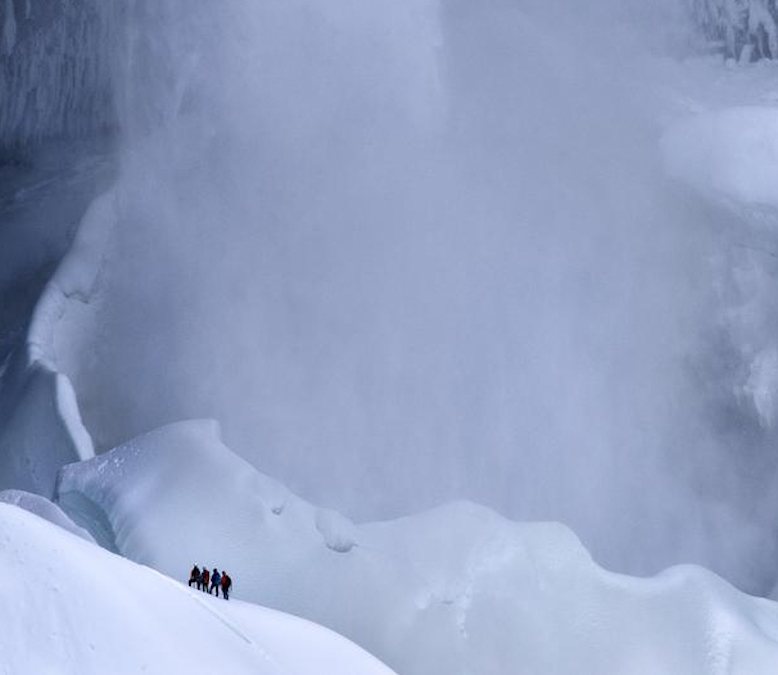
(206, 578)
(194, 577)
(215, 579)
(226, 584)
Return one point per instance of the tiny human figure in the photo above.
(226, 584)
(206, 578)
(194, 577)
(215, 579)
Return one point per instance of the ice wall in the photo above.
(55, 69)
(42, 428)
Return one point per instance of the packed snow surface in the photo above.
(453, 591)
(71, 608)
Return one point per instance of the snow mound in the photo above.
(74, 609)
(453, 591)
(731, 154)
(338, 531)
(45, 509)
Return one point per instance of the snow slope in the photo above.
(68, 607)
(453, 591)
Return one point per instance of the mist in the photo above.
(410, 252)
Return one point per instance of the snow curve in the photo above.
(453, 591)
(69, 607)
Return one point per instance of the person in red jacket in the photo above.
(226, 585)
(206, 578)
(194, 577)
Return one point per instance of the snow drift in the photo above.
(68, 607)
(453, 591)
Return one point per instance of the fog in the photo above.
(408, 252)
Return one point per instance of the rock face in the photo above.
(453, 591)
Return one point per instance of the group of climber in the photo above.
(210, 581)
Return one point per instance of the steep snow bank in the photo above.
(40, 506)
(453, 591)
(68, 607)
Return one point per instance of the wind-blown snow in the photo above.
(730, 159)
(453, 591)
(68, 607)
(732, 153)
(412, 251)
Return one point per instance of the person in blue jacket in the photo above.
(215, 579)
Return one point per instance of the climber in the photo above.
(215, 579)
(194, 577)
(205, 578)
(226, 584)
